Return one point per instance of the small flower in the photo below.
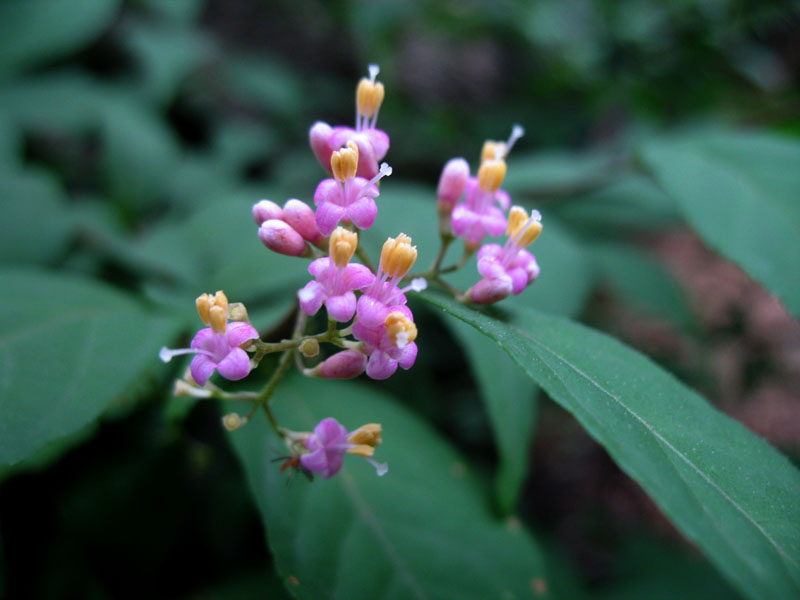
(331, 441)
(218, 347)
(387, 334)
(335, 279)
(372, 143)
(510, 268)
(347, 198)
(477, 215)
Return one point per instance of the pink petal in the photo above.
(357, 276)
(494, 221)
(362, 212)
(264, 210)
(319, 267)
(371, 312)
(519, 280)
(381, 365)
(379, 140)
(238, 332)
(301, 217)
(408, 356)
(341, 308)
(503, 199)
(328, 217)
(329, 431)
(202, 368)
(281, 238)
(488, 291)
(329, 190)
(235, 366)
(202, 337)
(311, 297)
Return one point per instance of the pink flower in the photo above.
(335, 279)
(331, 441)
(218, 347)
(508, 269)
(388, 334)
(372, 143)
(347, 198)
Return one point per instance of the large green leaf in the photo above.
(739, 191)
(69, 347)
(36, 30)
(724, 487)
(424, 530)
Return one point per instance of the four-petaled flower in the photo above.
(330, 441)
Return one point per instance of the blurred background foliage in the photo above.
(134, 136)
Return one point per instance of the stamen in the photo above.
(203, 303)
(400, 329)
(218, 319)
(369, 434)
(373, 71)
(362, 450)
(344, 162)
(491, 174)
(369, 96)
(398, 256)
(342, 246)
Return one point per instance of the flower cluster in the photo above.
(369, 323)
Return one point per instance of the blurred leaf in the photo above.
(739, 192)
(545, 173)
(36, 226)
(639, 279)
(218, 248)
(510, 399)
(166, 54)
(34, 31)
(630, 203)
(10, 143)
(140, 153)
(422, 531)
(266, 83)
(725, 488)
(179, 11)
(237, 143)
(70, 346)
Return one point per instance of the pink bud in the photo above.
(319, 137)
(343, 365)
(281, 238)
(264, 210)
(451, 183)
(488, 291)
(302, 219)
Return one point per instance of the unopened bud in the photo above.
(309, 347)
(300, 217)
(489, 291)
(183, 388)
(264, 210)
(452, 182)
(280, 237)
(319, 138)
(232, 421)
(238, 312)
(342, 365)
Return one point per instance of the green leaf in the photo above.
(724, 487)
(36, 226)
(641, 280)
(553, 172)
(424, 530)
(34, 31)
(510, 399)
(739, 192)
(69, 348)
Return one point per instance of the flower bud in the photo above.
(264, 210)
(232, 421)
(280, 237)
(309, 347)
(300, 217)
(451, 183)
(488, 291)
(342, 365)
(319, 137)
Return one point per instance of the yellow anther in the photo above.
(203, 303)
(218, 319)
(398, 256)
(344, 162)
(342, 246)
(369, 434)
(522, 229)
(493, 151)
(491, 174)
(369, 96)
(517, 217)
(401, 330)
(220, 299)
(362, 450)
